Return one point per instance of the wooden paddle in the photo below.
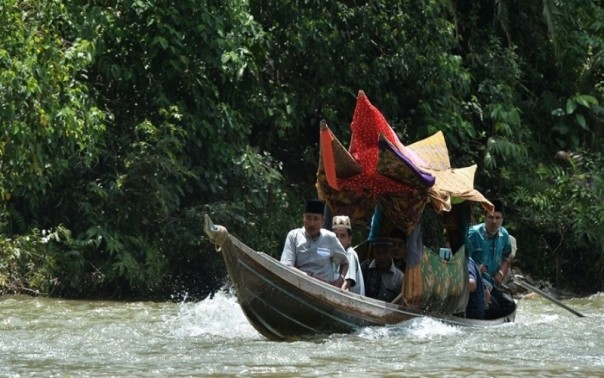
(520, 281)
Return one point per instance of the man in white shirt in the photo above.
(315, 250)
(354, 282)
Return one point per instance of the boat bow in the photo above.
(217, 234)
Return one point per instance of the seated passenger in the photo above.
(382, 279)
(342, 227)
(479, 295)
(314, 250)
(399, 248)
(490, 247)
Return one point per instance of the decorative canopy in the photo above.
(378, 169)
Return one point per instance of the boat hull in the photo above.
(283, 303)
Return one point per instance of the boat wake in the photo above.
(218, 316)
(417, 328)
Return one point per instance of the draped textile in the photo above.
(379, 170)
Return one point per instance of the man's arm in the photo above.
(343, 270)
(340, 255)
(353, 270)
(472, 271)
(288, 256)
(504, 266)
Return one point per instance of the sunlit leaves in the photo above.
(27, 261)
(50, 122)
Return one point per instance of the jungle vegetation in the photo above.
(123, 122)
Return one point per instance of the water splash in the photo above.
(218, 316)
(418, 328)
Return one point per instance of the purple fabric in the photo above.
(424, 177)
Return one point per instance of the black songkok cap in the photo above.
(498, 204)
(381, 241)
(315, 207)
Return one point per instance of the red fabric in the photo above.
(367, 124)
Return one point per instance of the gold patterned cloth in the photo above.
(451, 183)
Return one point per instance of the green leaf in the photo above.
(581, 121)
(162, 42)
(586, 100)
(571, 105)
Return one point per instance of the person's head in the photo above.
(382, 254)
(313, 217)
(494, 220)
(341, 226)
(399, 246)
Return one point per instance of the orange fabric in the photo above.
(329, 165)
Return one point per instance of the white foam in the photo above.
(418, 328)
(216, 316)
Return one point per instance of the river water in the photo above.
(51, 337)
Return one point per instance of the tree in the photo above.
(51, 125)
(126, 122)
(171, 82)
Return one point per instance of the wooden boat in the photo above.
(283, 303)
(377, 173)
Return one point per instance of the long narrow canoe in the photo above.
(283, 303)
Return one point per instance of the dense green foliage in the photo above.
(123, 123)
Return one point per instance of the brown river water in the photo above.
(211, 338)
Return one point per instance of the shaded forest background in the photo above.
(122, 123)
